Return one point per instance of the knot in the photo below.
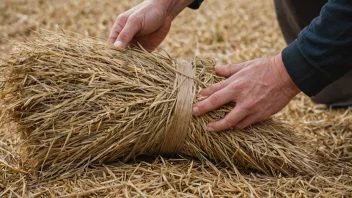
(176, 132)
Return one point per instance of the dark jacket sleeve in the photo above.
(322, 53)
(196, 4)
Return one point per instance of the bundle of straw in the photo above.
(79, 101)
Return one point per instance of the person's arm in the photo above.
(195, 4)
(260, 88)
(147, 23)
(322, 53)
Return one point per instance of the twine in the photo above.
(175, 134)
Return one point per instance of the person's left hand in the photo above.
(260, 88)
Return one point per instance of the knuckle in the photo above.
(240, 85)
(214, 100)
(119, 25)
(230, 121)
(120, 22)
(216, 87)
(121, 19)
(211, 88)
(134, 19)
(249, 106)
(123, 36)
(220, 84)
(201, 106)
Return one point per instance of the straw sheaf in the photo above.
(80, 102)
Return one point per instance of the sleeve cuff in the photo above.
(306, 77)
(195, 4)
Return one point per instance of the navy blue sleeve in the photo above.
(195, 4)
(322, 53)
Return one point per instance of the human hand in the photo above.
(260, 88)
(147, 23)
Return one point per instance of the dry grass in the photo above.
(231, 31)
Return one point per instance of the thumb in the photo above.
(229, 70)
(131, 28)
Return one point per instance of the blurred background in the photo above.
(228, 31)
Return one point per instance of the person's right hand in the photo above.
(147, 24)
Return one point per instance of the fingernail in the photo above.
(195, 110)
(118, 43)
(210, 129)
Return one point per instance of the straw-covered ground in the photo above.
(227, 31)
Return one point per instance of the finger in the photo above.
(246, 122)
(252, 119)
(230, 120)
(214, 101)
(229, 70)
(117, 28)
(214, 87)
(132, 27)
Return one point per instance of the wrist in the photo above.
(173, 7)
(285, 82)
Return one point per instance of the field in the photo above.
(229, 31)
